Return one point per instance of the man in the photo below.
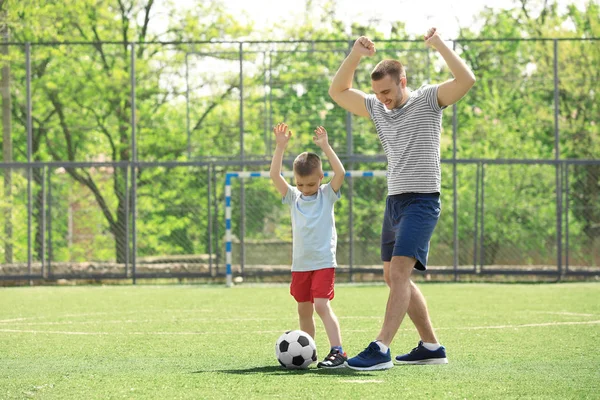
(408, 124)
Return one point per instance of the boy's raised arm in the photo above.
(282, 137)
(339, 171)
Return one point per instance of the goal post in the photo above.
(229, 176)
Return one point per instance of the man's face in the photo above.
(308, 185)
(388, 91)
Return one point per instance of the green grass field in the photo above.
(202, 342)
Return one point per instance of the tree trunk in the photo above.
(119, 228)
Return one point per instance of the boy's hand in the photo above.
(282, 135)
(321, 138)
(432, 37)
(364, 46)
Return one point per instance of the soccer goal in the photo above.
(230, 176)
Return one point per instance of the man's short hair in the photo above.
(393, 68)
(307, 163)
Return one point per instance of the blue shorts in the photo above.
(408, 224)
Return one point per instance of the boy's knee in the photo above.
(322, 307)
(305, 309)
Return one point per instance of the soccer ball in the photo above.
(296, 350)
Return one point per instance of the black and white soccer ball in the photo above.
(296, 350)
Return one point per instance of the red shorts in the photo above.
(311, 285)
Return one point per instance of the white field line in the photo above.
(564, 313)
(136, 312)
(544, 324)
(131, 321)
(31, 320)
(541, 324)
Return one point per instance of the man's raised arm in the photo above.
(341, 90)
(453, 90)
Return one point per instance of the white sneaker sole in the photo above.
(430, 361)
(377, 367)
(332, 367)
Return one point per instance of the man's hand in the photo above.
(432, 38)
(282, 135)
(364, 46)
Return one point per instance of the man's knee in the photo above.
(401, 268)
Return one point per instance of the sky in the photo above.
(417, 15)
(446, 15)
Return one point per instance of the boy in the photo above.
(314, 236)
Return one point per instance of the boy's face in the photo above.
(308, 185)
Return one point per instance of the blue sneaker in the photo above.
(371, 359)
(420, 355)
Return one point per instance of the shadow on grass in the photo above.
(277, 370)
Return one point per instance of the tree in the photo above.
(82, 99)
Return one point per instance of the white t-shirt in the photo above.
(313, 228)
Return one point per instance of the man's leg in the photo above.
(377, 355)
(419, 315)
(399, 298)
(428, 351)
(417, 309)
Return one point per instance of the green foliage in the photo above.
(187, 106)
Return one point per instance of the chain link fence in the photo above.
(115, 157)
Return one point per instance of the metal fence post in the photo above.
(187, 108)
(133, 168)
(29, 149)
(209, 217)
(349, 152)
(558, 169)
(454, 184)
(476, 268)
(566, 189)
(242, 156)
(216, 225)
(127, 228)
(43, 223)
(481, 239)
(49, 224)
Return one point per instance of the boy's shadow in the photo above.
(277, 370)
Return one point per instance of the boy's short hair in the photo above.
(393, 68)
(307, 163)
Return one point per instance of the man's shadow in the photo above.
(278, 370)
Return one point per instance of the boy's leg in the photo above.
(305, 318)
(322, 290)
(330, 321)
(300, 289)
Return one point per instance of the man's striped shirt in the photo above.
(410, 136)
